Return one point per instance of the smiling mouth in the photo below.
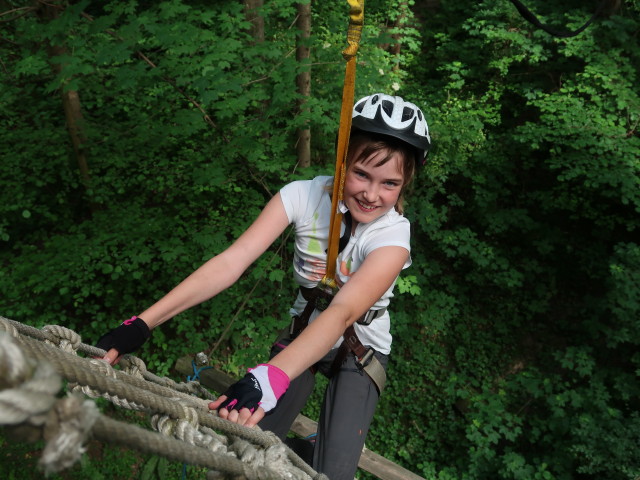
(364, 206)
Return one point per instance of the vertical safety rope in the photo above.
(354, 32)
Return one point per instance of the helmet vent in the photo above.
(407, 114)
(359, 107)
(387, 106)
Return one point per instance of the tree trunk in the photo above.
(303, 81)
(70, 103)
(254, 17)
(73, 114)
(396, 46)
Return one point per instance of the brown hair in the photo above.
(373, 143)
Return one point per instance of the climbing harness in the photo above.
(318, 299)
(531, 18)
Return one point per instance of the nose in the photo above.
(371, 193)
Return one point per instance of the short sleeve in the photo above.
(302, 198)
(398, 236)
(293, 198)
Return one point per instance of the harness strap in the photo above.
(316, 298)
(319, 299)
(365, 359)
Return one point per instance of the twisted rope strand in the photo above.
(53, 349)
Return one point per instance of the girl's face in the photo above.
(371, 190)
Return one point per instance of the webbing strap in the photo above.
(365, 359)
(356, 21)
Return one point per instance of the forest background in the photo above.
(138, 139)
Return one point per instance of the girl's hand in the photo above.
(126, 338)
(244, 416)
(246, 401)
(112, 357)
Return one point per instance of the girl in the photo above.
(388, 138)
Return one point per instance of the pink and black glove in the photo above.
(126, 338)
(262, 386)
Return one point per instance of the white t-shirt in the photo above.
(308, 206)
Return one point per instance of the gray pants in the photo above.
(347, 410)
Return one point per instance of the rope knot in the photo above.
(190, 415)
(67, 340)
(30, 406)
(28, 388)
(103, 367)
(67, 427)
(134, 366)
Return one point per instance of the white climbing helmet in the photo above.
(389, 115)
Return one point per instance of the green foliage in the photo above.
(528, 224)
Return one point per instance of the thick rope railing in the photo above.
(65, 338)
(31, 363)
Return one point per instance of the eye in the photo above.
(392, 183)
(360, 173)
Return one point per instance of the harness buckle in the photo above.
(363, 362)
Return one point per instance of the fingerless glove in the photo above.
(261, 386)
(126, 338)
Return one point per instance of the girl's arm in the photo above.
(224, 269)
(364, 288)
(221, 271)
(355, 297)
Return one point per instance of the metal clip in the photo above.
(201, 359)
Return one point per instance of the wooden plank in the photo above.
(384, 469)
(302, 426)
(214, 379)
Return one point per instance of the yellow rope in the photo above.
(356, 21)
